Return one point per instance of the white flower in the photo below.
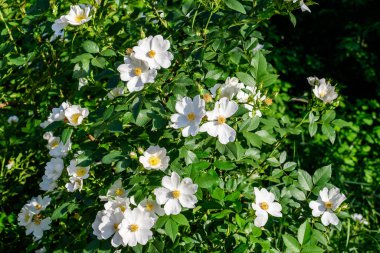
(136, 73)
(10, 164)
(38, 226)
(304, 6)
(57, 27)
(96, 223)
(328, 201)
(116, 92)
(359, 218)
(155, 158)
(57, 148)
(82, 82)
(135, 228)
(229, 89)
(154, 50)
(57, 114)
(47, 184)
(75, 115)
(38, 204)
(75, 184)
(110, 226)
(323, 90)
(265, 204)
(189, 116)
(217, 121)
(48, 135)
(151, 207)
(24, 217)
(116, 190)
(78, 171)
(53, 169)
(117, 204)
(13, 120)
(78, 15)
(176, 193)
(253, 97)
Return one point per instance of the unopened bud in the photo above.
(268, 101)
(140, 150)
(133, 155)
(207, 97)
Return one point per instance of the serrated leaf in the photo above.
(113, 156)
(108, 53)
(108, 112)
(322, 176)
(291, 243)
(235, 5)
(289, 166)
(224, 165)
(328, 116)
(304, 233)
(266, 137)
(171, 229)
(313, 128)
(320, 237)
(90, 47)
(283, 157)
(246, 78)
(305, 180)
(329, 132)
(180, 219)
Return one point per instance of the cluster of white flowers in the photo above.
(13, 120)
(73, 114)
(131, 226)
(140, 67)
(323, 89)
(359, 218)
(77, 174)
(32, 219)
(78, 15)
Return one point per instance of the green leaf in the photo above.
(108, 53)
(113, 156)
(242, 248)
(235, 5)
(313, 128)
(266, 137)
(207, 180)
(297, 194)
(180, 219)
(66, 134)
(329, 132)
(289, 166)
(341, 123)
(305, 180)
(320, 237)
(304, 233)
(171, 229)
(107, 114)
(291, 243)
(312, 249)
(60, 211)
(246, 78)
(90, 47)
(322, 176)
(218, 193)
(99, 62)
(328, 116)
(224, 165)
(293, 19)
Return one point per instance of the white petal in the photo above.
(172, 207)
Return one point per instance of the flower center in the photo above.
(116, 226)
(122, 208)
(119, 192)
(37, 219)
(264, 206)
(78, 18)
(149, 207)
(221, 120)
(38, 206)
(81, 171)
(74, 118)
(54, 144)
(27, 217)
(133, 227)
(328, 204)
(322, 93)
(152, 53)
(191, 116)
(154, 160)
(137, 71)
(176, 194)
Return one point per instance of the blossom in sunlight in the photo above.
(38, 204)
(57, 148)
(24, 217)
(176, 194)
(189, 115)
(110, 226)
(136, 227)
(78, 171)
(327, 203)
(38, 226)
(229, 89)
(47, 184)
(115, 191)
(57, 114)
(264, 204)
(155, 158)
(13, 120)
(96, 223)
(58, 28)
(323, 89)
(79, 14)
(217, 121)
(54, 168)
(75, 183)
(75, 115)
(136, 73)
(359, 218)
(151, 207)
(154, 50)
(117, 204)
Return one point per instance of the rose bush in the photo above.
(172, 133)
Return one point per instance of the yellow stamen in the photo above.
(38, 206)
(221, 120)
(74, 118)
(137, 71)
(176, 194)
(119, 192)
(134, 227)
(81, 171)
(191, 116)
(37, 219)
(78, 18)
(264, 206)
(123, 208)
(54, 143)
(152, 53)
(328, 204)
(322, 93)
(154, 160)
(116, 226)
(149, 207)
